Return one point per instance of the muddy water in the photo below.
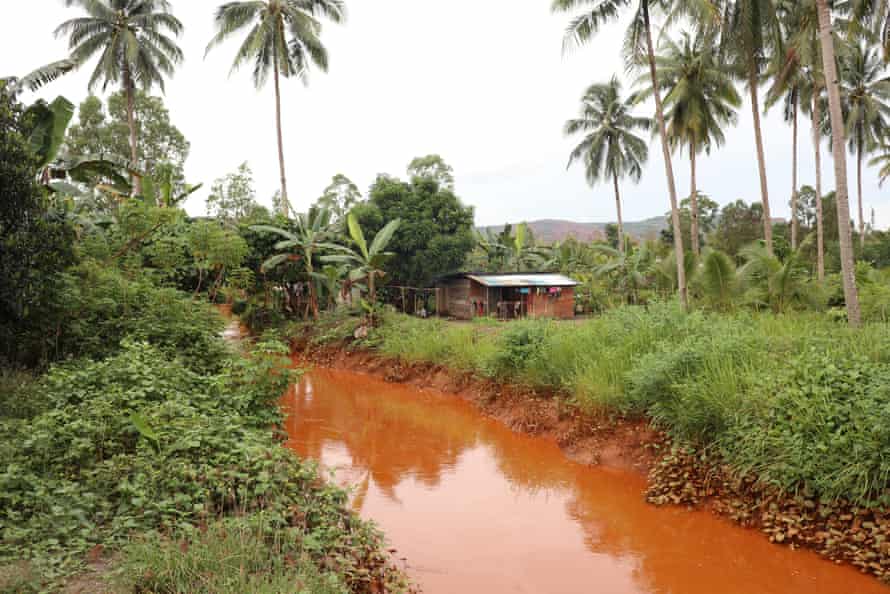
(475, 507)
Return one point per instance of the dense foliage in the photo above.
(101, 131)
(436, 233)
(35, 242)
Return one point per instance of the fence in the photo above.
(411, 300)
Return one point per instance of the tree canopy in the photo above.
(436, 231)
(102, 132)
(232, 198)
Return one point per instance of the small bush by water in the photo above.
(797, 400)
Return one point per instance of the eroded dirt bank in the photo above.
(838, 531)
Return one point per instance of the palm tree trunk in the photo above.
(859, 188)
(761, 159)
(129, 89)
(372, 290)
(285, 205)
(794, 178)
(693, 200)
(851, 294)
(817, 145)
(200, 281)
(618, 210)
(668, 167)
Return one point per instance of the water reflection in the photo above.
(477, 508)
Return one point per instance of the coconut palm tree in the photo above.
(593, 14)
(789, 81)
(717, 279)
(701, 99)
(865, 91)
(283, 38)
(133, 37)
(836, 115)
(799, 67)
(775, 283)
(871, 17)
(34, 80)
(882, 161)
(750, 34)
(609, 149)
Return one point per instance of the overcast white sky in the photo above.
(481, 82)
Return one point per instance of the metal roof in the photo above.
(523, 280)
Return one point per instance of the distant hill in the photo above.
(550, 230)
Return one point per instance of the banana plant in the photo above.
(329, 279)
(509, 251)
(313, 233)
(162, 192)
(366, 262)
(49, 123)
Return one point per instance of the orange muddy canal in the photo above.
(474, 507)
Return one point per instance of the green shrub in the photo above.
(18, 397)
(517, 346)
(20, 578)
(258, 317)
(335, 327)
(103, 306)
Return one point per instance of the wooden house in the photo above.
(468, 295)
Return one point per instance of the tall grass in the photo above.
(235, 555)
(727, 381)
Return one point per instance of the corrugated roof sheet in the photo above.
(523, 280)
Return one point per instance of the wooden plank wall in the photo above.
(458, 300)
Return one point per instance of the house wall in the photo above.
(545, 306)
(457, 297)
